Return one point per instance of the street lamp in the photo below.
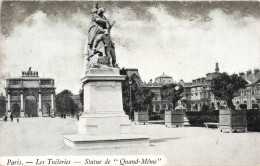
(130, 102)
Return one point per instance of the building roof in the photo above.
(163, 76)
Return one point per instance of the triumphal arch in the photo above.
(30, 95)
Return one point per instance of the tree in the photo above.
(81, 96)
(225, 87)
(205, 108)
(172, 92)
(141, 97)
(65, 104)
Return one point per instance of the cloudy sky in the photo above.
(181, 39)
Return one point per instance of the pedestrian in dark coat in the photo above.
(11, 117)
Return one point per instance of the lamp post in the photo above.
(130, 102)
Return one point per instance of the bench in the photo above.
(211, 124)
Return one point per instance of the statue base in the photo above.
(103, 123)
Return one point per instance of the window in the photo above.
(253, 92)
(245, 93)
(245, 102)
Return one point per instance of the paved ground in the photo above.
(181, 146)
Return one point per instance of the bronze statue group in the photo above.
(99, 36)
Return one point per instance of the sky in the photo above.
(181, 39)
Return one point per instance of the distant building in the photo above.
(250, 96)
(158, 104)
(163, 79)
(133, 71)
(30, 95)
(200, 92)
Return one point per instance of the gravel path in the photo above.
(180, 146)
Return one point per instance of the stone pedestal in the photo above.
(103, 123)
(141, 117)
(174, 118)
(232, 121)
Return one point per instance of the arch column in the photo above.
(52, 102)
(22, 105)
(8, 103)
(40, 104)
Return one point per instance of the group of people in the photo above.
(99, 36)
(11, 118)
(63, 115)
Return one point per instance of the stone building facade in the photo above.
(30, 95)
(198, 92)
(250, 96)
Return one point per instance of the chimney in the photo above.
(241, 74)
(256, 71)
(217, 68)
(248, 72)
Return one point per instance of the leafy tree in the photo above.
(141, 97)
(205, 108)
(81, 96)
(2, 106)
(172, 92)
(65, 104)
(225, 87)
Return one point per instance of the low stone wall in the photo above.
(174, 118)
(141, 117)
(232, 120)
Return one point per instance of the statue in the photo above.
(99, 40)
(108, 44)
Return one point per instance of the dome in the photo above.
(163, 76)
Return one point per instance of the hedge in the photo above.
(198, 118)
(253, 120)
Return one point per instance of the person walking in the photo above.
(77, 116)
(17, 120)
(11, 117)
